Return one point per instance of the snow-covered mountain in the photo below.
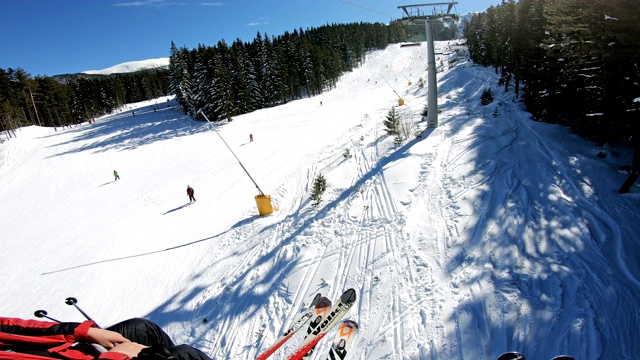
(131, 66)
(487, 234)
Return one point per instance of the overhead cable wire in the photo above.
(362, 7)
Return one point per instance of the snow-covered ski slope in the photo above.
(490, 233)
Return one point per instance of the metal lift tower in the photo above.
(416, 14)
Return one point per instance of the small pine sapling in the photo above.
(319, 187)
(487, 97)
(392, 122)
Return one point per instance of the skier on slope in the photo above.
(135, 338)
(115, 174)
(190, 193)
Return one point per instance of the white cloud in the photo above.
(149, 3)
(259, 22)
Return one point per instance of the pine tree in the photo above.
(306, 67)
(202, 83)
(392, 122)
(486, 97)
(222, 90)
(319, 187)
(267, 65)
(244, 85)
(180, 79)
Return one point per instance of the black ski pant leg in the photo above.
(186, 352)
(143, 332)
(148, 333)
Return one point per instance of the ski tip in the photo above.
(315, 300)
(348, 296)
(323, 303)
(512, 355)
(350, 323)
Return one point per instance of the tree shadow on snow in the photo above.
(125, 132)
(511, 212)
(237, 300)
(236, 225)
(525, 245)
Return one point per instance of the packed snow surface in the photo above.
(487, 234)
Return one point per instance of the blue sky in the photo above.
(51, 37)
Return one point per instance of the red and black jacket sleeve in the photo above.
(59, 336)
(13, 330)
(56, 337)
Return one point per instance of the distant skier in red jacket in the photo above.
(42, 340)
(190, 193)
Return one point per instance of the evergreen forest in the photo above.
(231, 79)
(66, 100)
(222, 80)
(575, 62)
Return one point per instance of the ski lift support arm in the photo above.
(234, 155)
(450, 6)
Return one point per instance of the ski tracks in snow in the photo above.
(357, 247)
(474, 270)
(512, 256)
(378, 253)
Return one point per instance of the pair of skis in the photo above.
(514, 355)
(325, 316)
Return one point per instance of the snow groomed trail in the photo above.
(487, 234)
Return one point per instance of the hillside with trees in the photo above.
(71, 99)
(222, 80)
(227, 80)
(575, 62)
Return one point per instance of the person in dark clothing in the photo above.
(634, 173)
(134, 338)
(190, 192)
